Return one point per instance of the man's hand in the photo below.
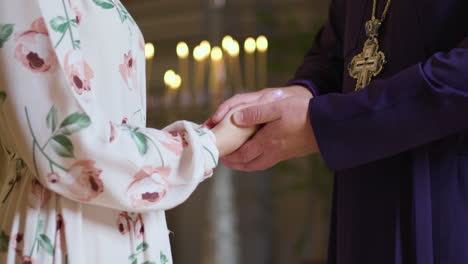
(287, 132)
(229, 136)
(260, 97)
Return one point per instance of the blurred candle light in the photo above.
(227, 42)
(183, 53)
(249, 46)
(205, 47)
(235, 65)
(262, 57)
(217, 76)
(235, 48)
(149, 55)
(172, 81)
(199, 54)
(182, 50)
(216, 54)
(169, 77)
(176, 82)
(149, 51)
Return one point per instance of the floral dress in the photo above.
(83, 180)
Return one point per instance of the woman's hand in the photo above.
(229, 136)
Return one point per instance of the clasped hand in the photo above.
(256, 130)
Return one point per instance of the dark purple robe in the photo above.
(400, 146)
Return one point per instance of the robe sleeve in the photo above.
(69, 144)
(419, 105)
(322, 68)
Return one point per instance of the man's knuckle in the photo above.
(256, 114)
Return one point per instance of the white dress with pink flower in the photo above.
(83, 180)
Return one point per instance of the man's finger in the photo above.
(262, 162)
(232, 103)
(257, 114)
(246, 153)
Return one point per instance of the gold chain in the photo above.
(384, 14)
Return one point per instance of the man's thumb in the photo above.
(256, 115)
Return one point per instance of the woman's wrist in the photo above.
(219, 141)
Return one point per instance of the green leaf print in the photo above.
(3, 97)
(74, 123)
(141, 141)
(201, 132)
(62, 146)
(4, 241)
(163, 258)
(52, 119)
(143, 246)
(77, 44)
(60, 24)
(124, 14)
(46, 244)
(133, 257)
(212, 155)
(104, 4)
(5, 32)
(74, 22)
(20, 166)
(40, 225)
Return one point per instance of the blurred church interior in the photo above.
(277, 216)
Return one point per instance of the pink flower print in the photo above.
(179, 137)
(34, 49)
(78, 71)
(149, 186)
(40, 195)
(113, 133)
(124, 121)
(28, 260)
(76, 11)
(60, 226)
(87, 184)
(208, 174)
(139, 226)
(60, 233)
(128, 71)
(18, 239)
(176, 142)
(53, 177)
(123, 223)
(16, 242)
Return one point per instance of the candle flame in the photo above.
(172, 79)
(169, 77)
(149, 50)
(216, 54)
(262, 43)
(250, 45)
(227, 42)
(233, 49)
(176, 82)
(198, 53)
(205, 48)
(182, 50)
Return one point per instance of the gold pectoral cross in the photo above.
(369, 63)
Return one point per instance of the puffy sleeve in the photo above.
(69, 142)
